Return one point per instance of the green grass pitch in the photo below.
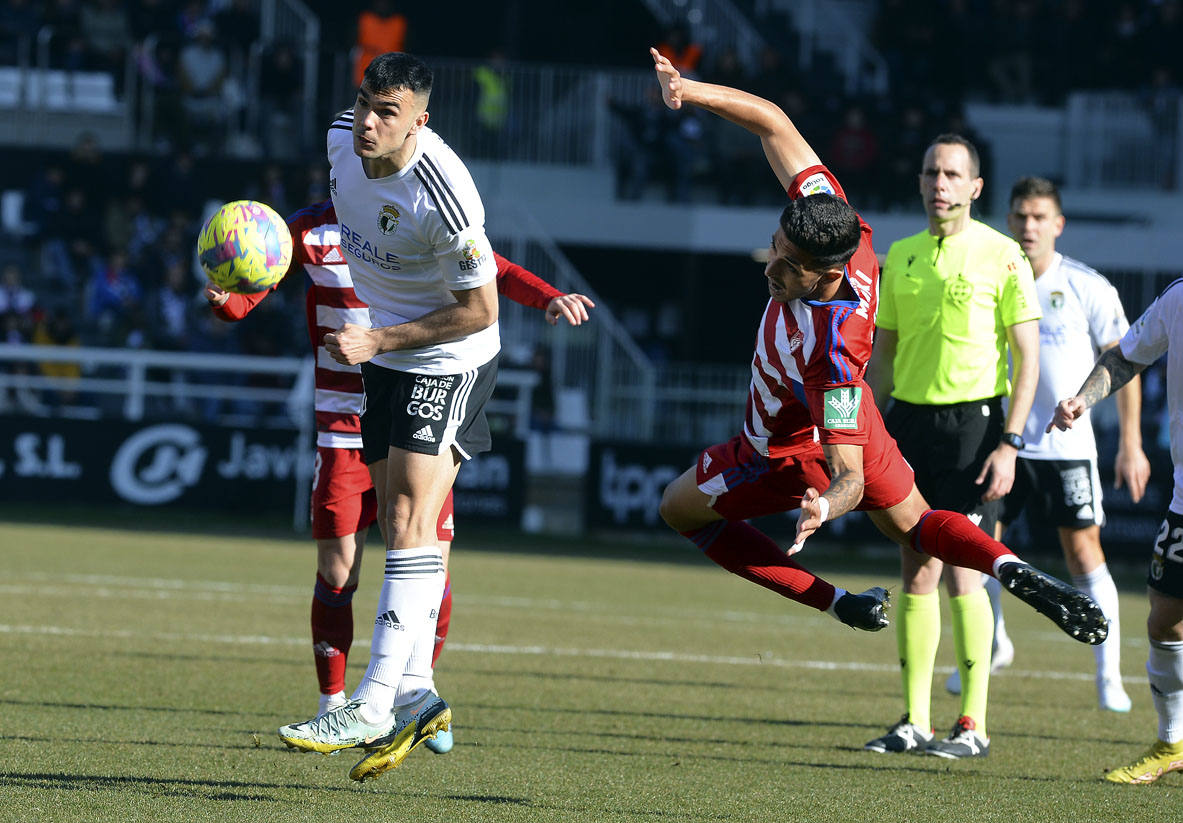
(145, 670)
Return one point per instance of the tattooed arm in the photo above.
(844, 493)
(1111, 372)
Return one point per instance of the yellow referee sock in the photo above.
(973, 635)
(918, 633)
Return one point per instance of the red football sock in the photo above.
(951, 537)
(441, 623)
(753, 555)
(332, 633)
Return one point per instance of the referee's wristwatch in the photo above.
(1014, 440)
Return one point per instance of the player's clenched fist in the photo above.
(351, 344)
(1066, 412)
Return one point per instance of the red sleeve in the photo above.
(815, 180)
(522, 286)
(238, 306)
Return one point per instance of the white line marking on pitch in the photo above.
(535, 651)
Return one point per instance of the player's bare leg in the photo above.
(1164, 668)
(399, 679)
(747, 552)
(411, 488)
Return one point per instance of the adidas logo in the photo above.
(424, 433)
(334, 256)
(706, 461)
(449, 523)
(388, 619)
(1085, 513)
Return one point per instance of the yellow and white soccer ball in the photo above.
(245, 247)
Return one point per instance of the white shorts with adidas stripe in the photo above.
(425, 413)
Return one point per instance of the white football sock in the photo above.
(994, 590)
(1098, 584)
(407, 605)
(418, 676)
(1164, 667)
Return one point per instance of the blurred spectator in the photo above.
(170, 312)
(19, 23)
(905, 142)
(191, 18)
(379, 29)
(281, 87)
(57, 328)
(87, 170)
(237, 26)
(682, 50)
(492, 106)
(1012, 65)
(106, 28)
(70, 242)
(655, 143)
(202, 77)
(156, 18)
(17, 302)
(728, 70)
(854, 156)
(67, 49)
(113, 301)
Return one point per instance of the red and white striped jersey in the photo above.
(330, 302)
(807, 372)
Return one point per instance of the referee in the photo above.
(953, 298)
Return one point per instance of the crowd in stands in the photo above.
(106, 254)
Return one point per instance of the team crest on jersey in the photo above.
(816, 184)
(841, 407)
(959, 290)
(388, 219)
(796, 341)
(1056, 298)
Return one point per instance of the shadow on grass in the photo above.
(232, 790)
(59, 704)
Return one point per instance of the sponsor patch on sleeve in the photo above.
(816, 184)
(841, 407)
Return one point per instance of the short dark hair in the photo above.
(950, 139)
(823, 226)
(398, 70)
(1027, 187)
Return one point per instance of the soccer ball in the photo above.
(245, 247)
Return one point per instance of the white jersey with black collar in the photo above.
(411, 239)
(1082, 313)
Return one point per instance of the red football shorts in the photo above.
(747, 484)
(343, 500)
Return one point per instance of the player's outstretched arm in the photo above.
(523, 286)
(1111, 372)
(785, 148)
(844, 493)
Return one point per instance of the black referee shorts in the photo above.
(946, 447)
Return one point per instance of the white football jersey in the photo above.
(411, 239)
(1081, 313)
(1159, 330)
